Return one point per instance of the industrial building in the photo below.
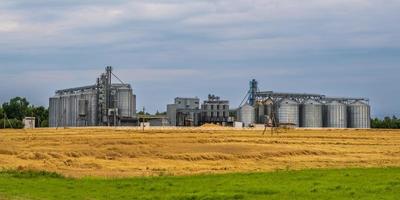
(215, 110)
(114, 104)
(102, 104)
(303, 110)
(184, 112)
(187, 111)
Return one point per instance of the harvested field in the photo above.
(128, 152)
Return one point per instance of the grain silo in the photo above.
(260, 113)
(335, 114)
(359, 115)
(288, 112)
(104, 103)
(247, 115)
(311, 114)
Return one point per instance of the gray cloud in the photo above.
(170, 48)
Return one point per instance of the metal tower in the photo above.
(253, 92)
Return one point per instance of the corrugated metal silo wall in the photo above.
(260, 113)
(92, 121)
(247, 114)
(311, 114)
(335, 115)
(126, 102)
(53, 111)
(133, 102)
(91, 109)
(359, 115)
(64, 110)
(288, 112)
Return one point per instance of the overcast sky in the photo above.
(169, 48)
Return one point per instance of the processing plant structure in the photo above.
(303, 110)
(102, 104)
(188, 112)
(114, 104)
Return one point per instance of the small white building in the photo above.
(238, 124)
(29, 122)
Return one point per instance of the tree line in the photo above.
(387, 122)
(13, 112)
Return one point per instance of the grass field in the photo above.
(103, 152)
(309, 184)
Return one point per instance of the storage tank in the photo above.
(260, 113)
(247, 115)
(268, 106)
(288, 112)
(359, 115)
(53, 111)
(335, 115)
(125, 102)
(311, 114)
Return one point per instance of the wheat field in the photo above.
(108, 152)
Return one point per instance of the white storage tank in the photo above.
(359, 115)
(126, 102)
(288, 112)
(335, 115)
(260, 113)
(311, 114)
(268, 109)
(247, 115)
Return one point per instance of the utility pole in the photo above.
(144, 109)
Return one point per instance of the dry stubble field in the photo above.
(123, 153)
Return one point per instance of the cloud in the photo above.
(195, 47)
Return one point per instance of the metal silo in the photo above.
(125, 102)
(359, 115)
(54, 111)
(268, 106)
(311, 114)
(260, 113)
(288, 112)
(247, 115)
(335, 115)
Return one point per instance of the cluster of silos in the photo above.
(353, 115)
(73, 109)
(79, 106)
(315, 114)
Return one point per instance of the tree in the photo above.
(1, 112)
(44, 123)
(40, 113)
(160, 113)
(387, 122)
(17, 108)
(11, 123)
(142, 113)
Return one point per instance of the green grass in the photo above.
(309, 184)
